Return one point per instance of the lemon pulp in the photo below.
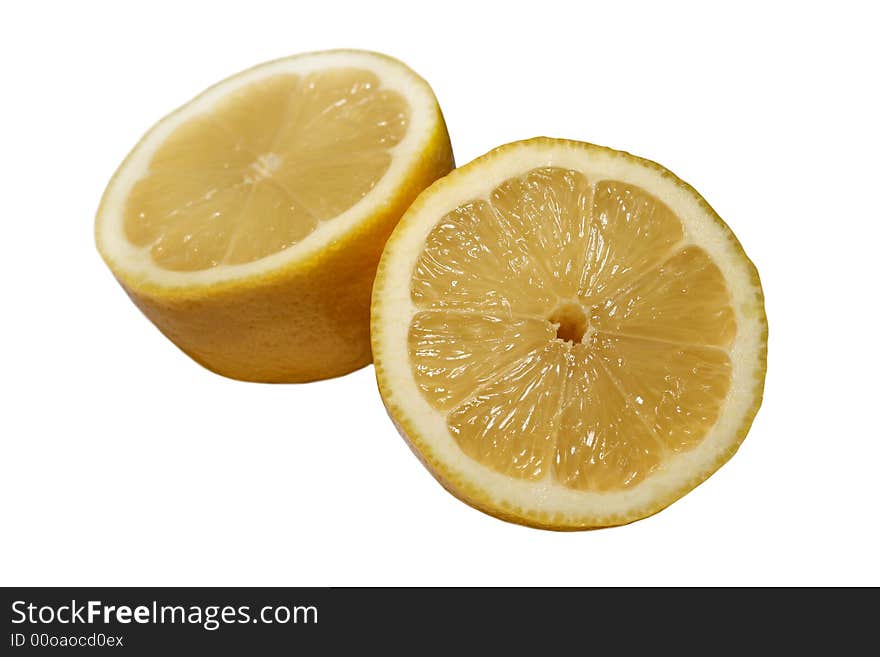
(264, 167)
(568, 330)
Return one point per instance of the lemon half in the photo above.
(247, 225)
(568, 336)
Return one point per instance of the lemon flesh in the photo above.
(264, 168)
(570, 332)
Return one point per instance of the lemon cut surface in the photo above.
(265, 168)
(584, 339)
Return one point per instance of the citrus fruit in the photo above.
(568, 336)
(247, 225)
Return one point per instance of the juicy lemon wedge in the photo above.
(568, 336)
(247, 225)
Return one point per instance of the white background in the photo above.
(125, 463)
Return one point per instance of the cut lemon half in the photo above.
(568, 336)
(247, 225)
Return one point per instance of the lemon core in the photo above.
(571, 322)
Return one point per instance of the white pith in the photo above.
(136, 262)
(393, 310)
